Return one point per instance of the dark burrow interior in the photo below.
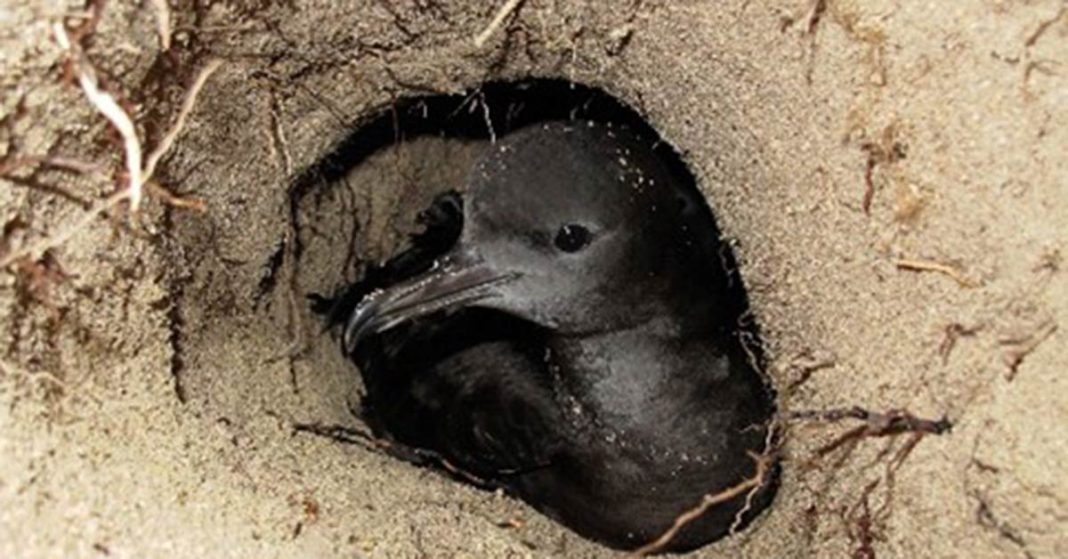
(358, 205)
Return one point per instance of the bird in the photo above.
(565, 329)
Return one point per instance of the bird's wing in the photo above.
(470, 393)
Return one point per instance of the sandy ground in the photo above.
(151, 377)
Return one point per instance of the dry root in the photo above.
(748, 486)
(876, 424)
(930, 266)
(953, 332)
(860, 520)
(163, 23)
(1015, 348)
(495, 24)
(138, 171)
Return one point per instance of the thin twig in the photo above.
(763, 464)
(930, 266)
(770, 444)
(279, 144)
(171, 199)
(815, 14)
(876, 424)
(137, 176)
(341, 434)
(163, 23)
(873, 424)
(498, 19)
(179, 123)
(1016, 348)
(869, 184)
(1043, 27)
(111, 110)
(953, 332)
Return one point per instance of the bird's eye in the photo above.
(572, 238)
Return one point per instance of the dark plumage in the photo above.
(566, 332)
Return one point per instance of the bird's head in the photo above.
(577, 227)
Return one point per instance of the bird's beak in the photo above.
(457, 280)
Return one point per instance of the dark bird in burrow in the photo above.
(568, 331)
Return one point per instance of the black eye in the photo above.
(572, 238)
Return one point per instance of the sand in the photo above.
(151, 376)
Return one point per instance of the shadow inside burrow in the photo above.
(357, 206)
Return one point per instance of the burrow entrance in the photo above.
(357, 206)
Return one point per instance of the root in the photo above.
(709, 500)
(1044, 26)
(109, 107)
(807, 365)
(930, 266)
(138, 170)
(860, 526)
(342, 434)
(772, 440)
(171, 199)
(179, 123)
(1016, 348)
(860, 520)
(502, 14)
(163, 23)
(953, 332)
(815, 15)
(875, 424)
(885, 150)
(367, 440)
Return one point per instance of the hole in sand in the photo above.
(359, 204)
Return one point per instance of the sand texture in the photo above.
(893, 177)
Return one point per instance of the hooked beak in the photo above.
(457, 280)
